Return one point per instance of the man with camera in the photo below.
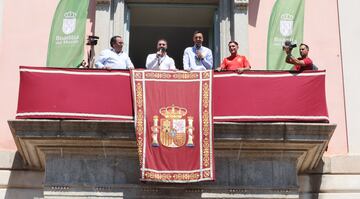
(114, 58)
(160, 60)
(300, 63)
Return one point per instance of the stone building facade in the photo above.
(49, 158)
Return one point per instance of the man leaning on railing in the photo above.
(114, 57)
(234, 61)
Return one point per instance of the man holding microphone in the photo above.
(197, 57)
(160, 60)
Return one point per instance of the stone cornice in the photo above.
(305, 142)
(241, 4)
(103, 1)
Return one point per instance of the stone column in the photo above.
(102, 24)
(118, 17)
(109, 21)
(240, 25)
(225, 26)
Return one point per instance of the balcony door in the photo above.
(174, 22)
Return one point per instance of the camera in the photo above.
(92, 40)
(289, 44)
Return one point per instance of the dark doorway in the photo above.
(176, 24)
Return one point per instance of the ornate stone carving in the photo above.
(241, 4)
(103, 1)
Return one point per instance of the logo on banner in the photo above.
(286, 24)
(172, 131)
(69, 22)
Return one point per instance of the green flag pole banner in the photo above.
(286, 23)
(67, 37)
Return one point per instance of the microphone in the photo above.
(198, 55)
(162, 49)
(197, 46)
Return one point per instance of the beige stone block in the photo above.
(345, 164)
(331, 196)
(21, 179)
(21, 193)
(329, 183)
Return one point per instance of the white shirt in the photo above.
(191, 62)
(160, 63)
(110, 58)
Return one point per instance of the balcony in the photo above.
(92, 157)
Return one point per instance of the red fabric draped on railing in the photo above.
(270, 96)
(74, 94)
(252, 96)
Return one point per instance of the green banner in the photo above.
(67, 37)
(286, 23)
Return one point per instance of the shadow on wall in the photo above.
(23, 182)
(311, 182)
(253, 12)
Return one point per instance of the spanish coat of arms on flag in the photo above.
(174, 127)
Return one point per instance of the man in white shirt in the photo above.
(197, 57)
(160, 60)
(114, 57)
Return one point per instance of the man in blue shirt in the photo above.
(114, 57)
(197, 57)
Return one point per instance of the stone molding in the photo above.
(103, 1)
(99, 159)
(35, 138)
(241, 4)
